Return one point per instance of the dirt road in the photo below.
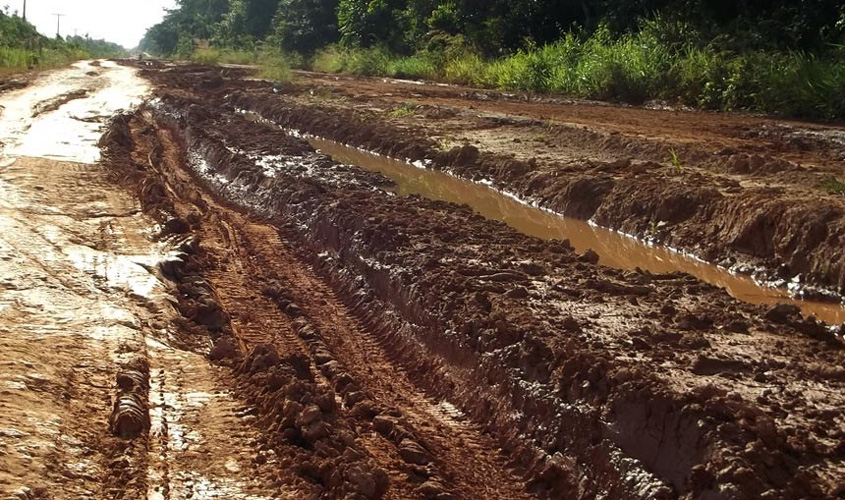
(82, 307)
(222, 311)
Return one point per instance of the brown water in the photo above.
(615, 250)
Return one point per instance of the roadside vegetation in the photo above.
(23, 48)
(275, 65)
(783, 57)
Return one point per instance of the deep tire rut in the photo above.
(440, 452)
(390, 346)
(465, 458)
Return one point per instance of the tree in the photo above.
(189, 20)
(496, 27)
(367, 23)
(245, 22)
(305, 25)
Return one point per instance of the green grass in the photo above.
(273, 64)
(214, 56)
(662, 61)
(22, 48)
(239, 57)
(834, 185)
(466, 69)
(405, 110)
(417, 67)
(675, 160)
(14, 60)
(209, 57)
(363, 62)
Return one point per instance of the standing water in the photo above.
(616, 250)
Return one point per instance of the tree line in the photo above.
(492, 27)
(22, 46)
(777, 56)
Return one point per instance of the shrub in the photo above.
(413, 67)
(210, 57)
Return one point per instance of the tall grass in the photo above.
(276, 65)
(663, 60)
(210, 57)
(363, 62)
(374, 61)
(14, 60)
(272, 64)
(417, 66)
(213, 56)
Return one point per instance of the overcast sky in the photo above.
(119, 21)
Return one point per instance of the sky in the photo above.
(119, 21)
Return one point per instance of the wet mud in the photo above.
(102, 394)
(398, 347)
(614, 249)
(15, 83)
(743, 192)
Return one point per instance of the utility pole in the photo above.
(59, 24)
(24, 10)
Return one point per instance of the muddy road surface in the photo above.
(204, 304)
(101, 394)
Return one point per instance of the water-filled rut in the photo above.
(615, 249)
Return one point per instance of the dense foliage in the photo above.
(773, 55)
(493, 26)
(22, 47)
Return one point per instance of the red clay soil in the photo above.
(755, 194)
(397, 347)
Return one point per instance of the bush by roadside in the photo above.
(632, 68)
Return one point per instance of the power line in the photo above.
(59, 24)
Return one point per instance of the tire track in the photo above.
(467, 459)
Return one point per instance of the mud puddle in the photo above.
(615, 249)
(61, 116)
